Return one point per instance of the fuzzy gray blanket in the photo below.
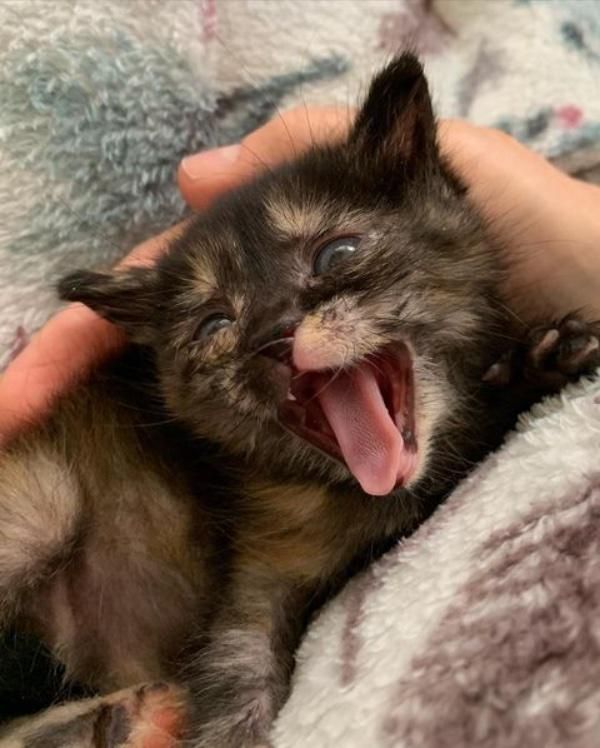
(100, 100)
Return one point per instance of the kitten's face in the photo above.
(325, 319)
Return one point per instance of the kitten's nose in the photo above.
(277, 342)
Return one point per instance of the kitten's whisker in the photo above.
(330, 381)
(513, 314)
(260, 160)
(271, 343)
(308, 122)
(251, 354)
(287, 129)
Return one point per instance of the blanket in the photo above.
(481, 628)
(99, 101)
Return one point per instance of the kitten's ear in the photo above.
(127, 297)
(396, 121)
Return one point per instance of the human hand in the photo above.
(547, 224)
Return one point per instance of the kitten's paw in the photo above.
(552, 356)
(562, 353)
(148, 716)
(155, 715)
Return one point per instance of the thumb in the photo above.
(204, 176)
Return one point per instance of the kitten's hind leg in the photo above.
(147, 716)
(240, 678)
(40, 512)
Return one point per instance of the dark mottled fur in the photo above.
(164, 498)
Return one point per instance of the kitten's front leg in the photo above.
(542, 363)
(240, 679)
(549, 358)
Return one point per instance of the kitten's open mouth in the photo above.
(363, 416)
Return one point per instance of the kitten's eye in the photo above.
(335, 252)
(211, 325)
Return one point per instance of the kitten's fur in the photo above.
(164, 503)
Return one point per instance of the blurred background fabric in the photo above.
(100, 100)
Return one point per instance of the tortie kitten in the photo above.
(314, 364)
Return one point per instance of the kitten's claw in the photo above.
(539, 351)
(500, 373)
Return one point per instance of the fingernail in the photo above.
(200, 165)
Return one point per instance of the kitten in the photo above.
(314, 364)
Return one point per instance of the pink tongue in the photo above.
(368, 437)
